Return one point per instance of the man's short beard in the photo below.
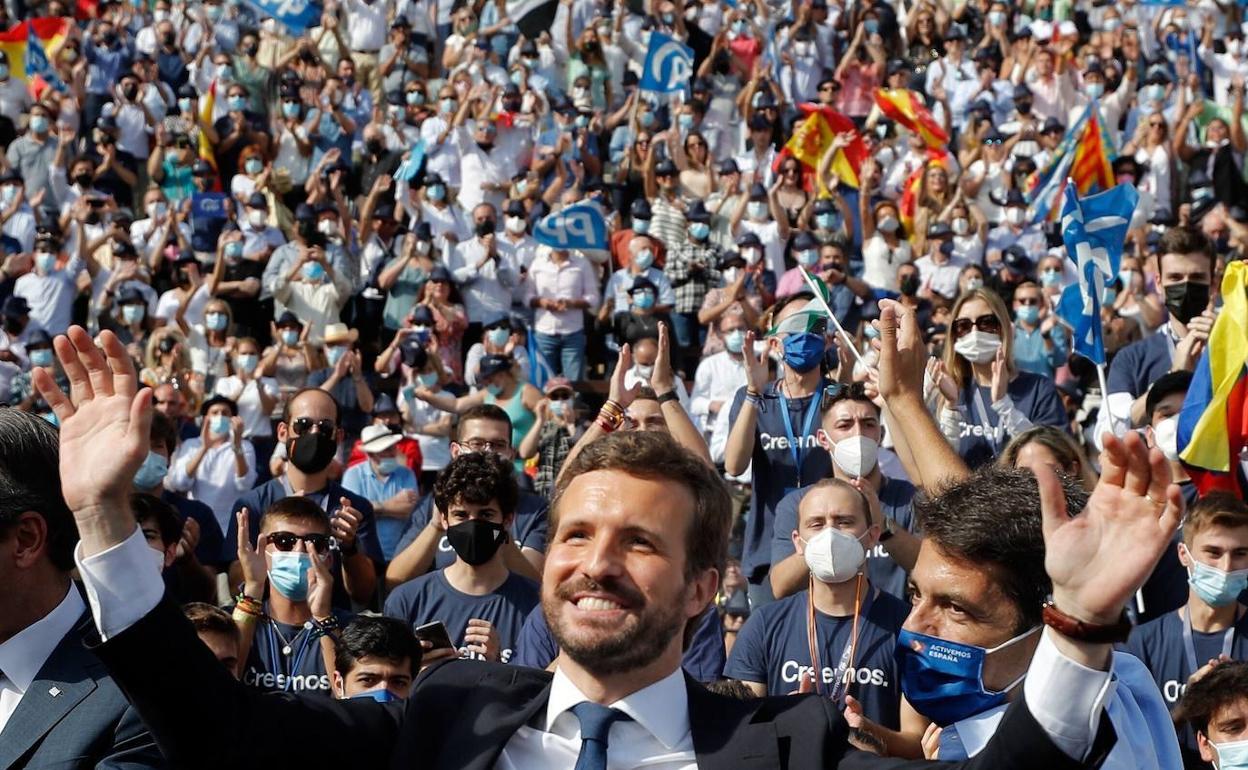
(627, 650)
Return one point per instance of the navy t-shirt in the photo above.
(1033, 395)
(211, 540)
(1159, 645)
(771, 648)
(529, 528)
(1140, 364)
(269, 669)
(1166, 588)
(896, 497)
(704, 660)
(773, 468)
(432, 597)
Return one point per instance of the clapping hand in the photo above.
(346, 523)
(617, 392)
(250, 558)
(663, 380)
(481, 639)
(756, 370)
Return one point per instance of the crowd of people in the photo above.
(379, 406)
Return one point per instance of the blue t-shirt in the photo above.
(210, 538)
(270, 669)
(432, 597)
(1033, 395)
(772, 649)
(773, 468)
(896, 498)
(704, 660)
(529, 528)
(364, 481)
(1140, 364)
(1160, 646)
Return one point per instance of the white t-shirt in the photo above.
(256, 421)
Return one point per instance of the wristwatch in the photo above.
(888, 530)
(668, 396)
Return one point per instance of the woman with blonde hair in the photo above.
(167, 359)
(1052, 447)
(934, 194)
(985, 398)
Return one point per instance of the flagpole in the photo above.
(849, 341)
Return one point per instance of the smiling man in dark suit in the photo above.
(58, 706)
(639, 537)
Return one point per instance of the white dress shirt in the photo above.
(658, 736)
(123, 584)
(572, 279)
(215, 483)
(486, 289)
(718, 378)
(24, 653)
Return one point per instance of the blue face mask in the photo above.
(685, 121)
(334, 353)
(41, 357)
(236, 103)
(699, 231)
(234, 250)
(288, 574)
(387, 465)
(151, 472)
(646, 119)
(944, 680)
(494, 389)
(825, 221)
(428, 379)
(644, 300)
(313, 271)
(1028, 314)
(436, 192)
(1232, 755)
(1215, 587)
(219, 424)
(1050, 277)
(216, 321)
(381, 696)
(290, 337)
(641, 226)
(498, 337)
(803, 351)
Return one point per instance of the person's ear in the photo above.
(283, 432)
(1205, 747)
(338, 685)
(798, 545)
(1185, 556)
(872, 538)
(824, 439)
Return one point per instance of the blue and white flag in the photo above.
(1093, 230)
(37, 61)
(579, 226)
(411, 165)
(669, 63)
(298, 16)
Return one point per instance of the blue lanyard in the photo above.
(279, 658)
(811, 411)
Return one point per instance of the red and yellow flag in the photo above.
(814, 134)
(909, 203)
(50, 31)
(906, 108)
(1092, 169)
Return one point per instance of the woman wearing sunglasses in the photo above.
(985, 399)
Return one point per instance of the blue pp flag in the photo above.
(669, 63)
(298, 16)
(579, 226)
(37, 61)
(410, 167)
(1093, 230)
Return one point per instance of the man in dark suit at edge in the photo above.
(627, 567)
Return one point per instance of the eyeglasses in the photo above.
(985, 323)
(302, 425)
(561, 395)
(991, 142)
(485, 445)
(1028, 301)
(285, 541)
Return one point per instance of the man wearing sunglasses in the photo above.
(310, 432)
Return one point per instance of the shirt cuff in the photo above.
(1065, 697)
(122, 583)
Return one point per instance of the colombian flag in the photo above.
(19, 42)
(1213, 425)
(904, 106)
(813, 135)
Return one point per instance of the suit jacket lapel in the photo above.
(503, 719)
(722, 736)
(64, 681)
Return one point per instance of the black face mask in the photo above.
(375, 147)
(1187, 300)
(83, 180)
(909, 285)
(169, 38)
(311, 453)
(307, 229)
(250, 50)
(485, 228)
(485, 146)
(395, 428)
(476, 540)
(13, 325)
(130, 91)
(1024, 108)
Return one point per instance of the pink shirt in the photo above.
(858, 88)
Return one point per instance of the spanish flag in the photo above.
(1213, 425)
(19, 42)
(813, 135)
(906, 107)
(206, 105)
(909, 203)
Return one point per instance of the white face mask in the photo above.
(961, 226)
(514, 224)
(856, 455)
(255, 218)
(1166, 437)
(751, 256)
(644, 371)
(887, 225)
(978, 347)
(1015, 215)
(422, 247)
(834, 556)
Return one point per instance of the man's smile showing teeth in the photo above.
(594, 604)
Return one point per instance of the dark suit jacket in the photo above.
(73, 716)
(462, 713)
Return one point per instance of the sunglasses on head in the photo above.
(985, 323)
(285, 541)
(301, 425)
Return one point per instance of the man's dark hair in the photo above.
(478, 478)
(1221, 687)
(295, 508)
(29, 481)
(655, 455)
(374, 636)
(310, 389)
(1166, 385)
(769, 316)
(482, 412)
(164, 432)
(1184, 240)
(206, 617)
(854, 391)
(991, 520)
(152, 508)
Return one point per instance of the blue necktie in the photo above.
(596, 724)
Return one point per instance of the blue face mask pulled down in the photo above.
(288, 574)
(381, 696)
(803, 351)
(944, 680)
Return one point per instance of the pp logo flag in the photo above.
(669, 63)
(298, 16)
(1093, 230)
(579, 226)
